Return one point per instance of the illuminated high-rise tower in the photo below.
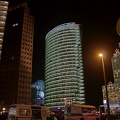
(64, 78)
(3, 15)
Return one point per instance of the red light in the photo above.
(76, 25)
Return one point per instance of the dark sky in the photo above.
(99, 21)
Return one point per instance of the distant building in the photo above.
(38, 96)
(116, 66)
(64, 78)
(3, 15)
(114, 88)
(17, 55)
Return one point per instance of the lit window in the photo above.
(16, 24)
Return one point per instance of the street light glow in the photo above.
(100, 55)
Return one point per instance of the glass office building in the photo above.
(64, 78)
(38, 96)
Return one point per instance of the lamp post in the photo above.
(107, 99)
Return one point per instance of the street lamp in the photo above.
(107, 99)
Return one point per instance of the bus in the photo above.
(80, 112)
(30, 112)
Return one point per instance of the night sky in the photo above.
(99, 21)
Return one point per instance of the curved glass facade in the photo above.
(3, 14)
(64, 78)
(39, 85)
